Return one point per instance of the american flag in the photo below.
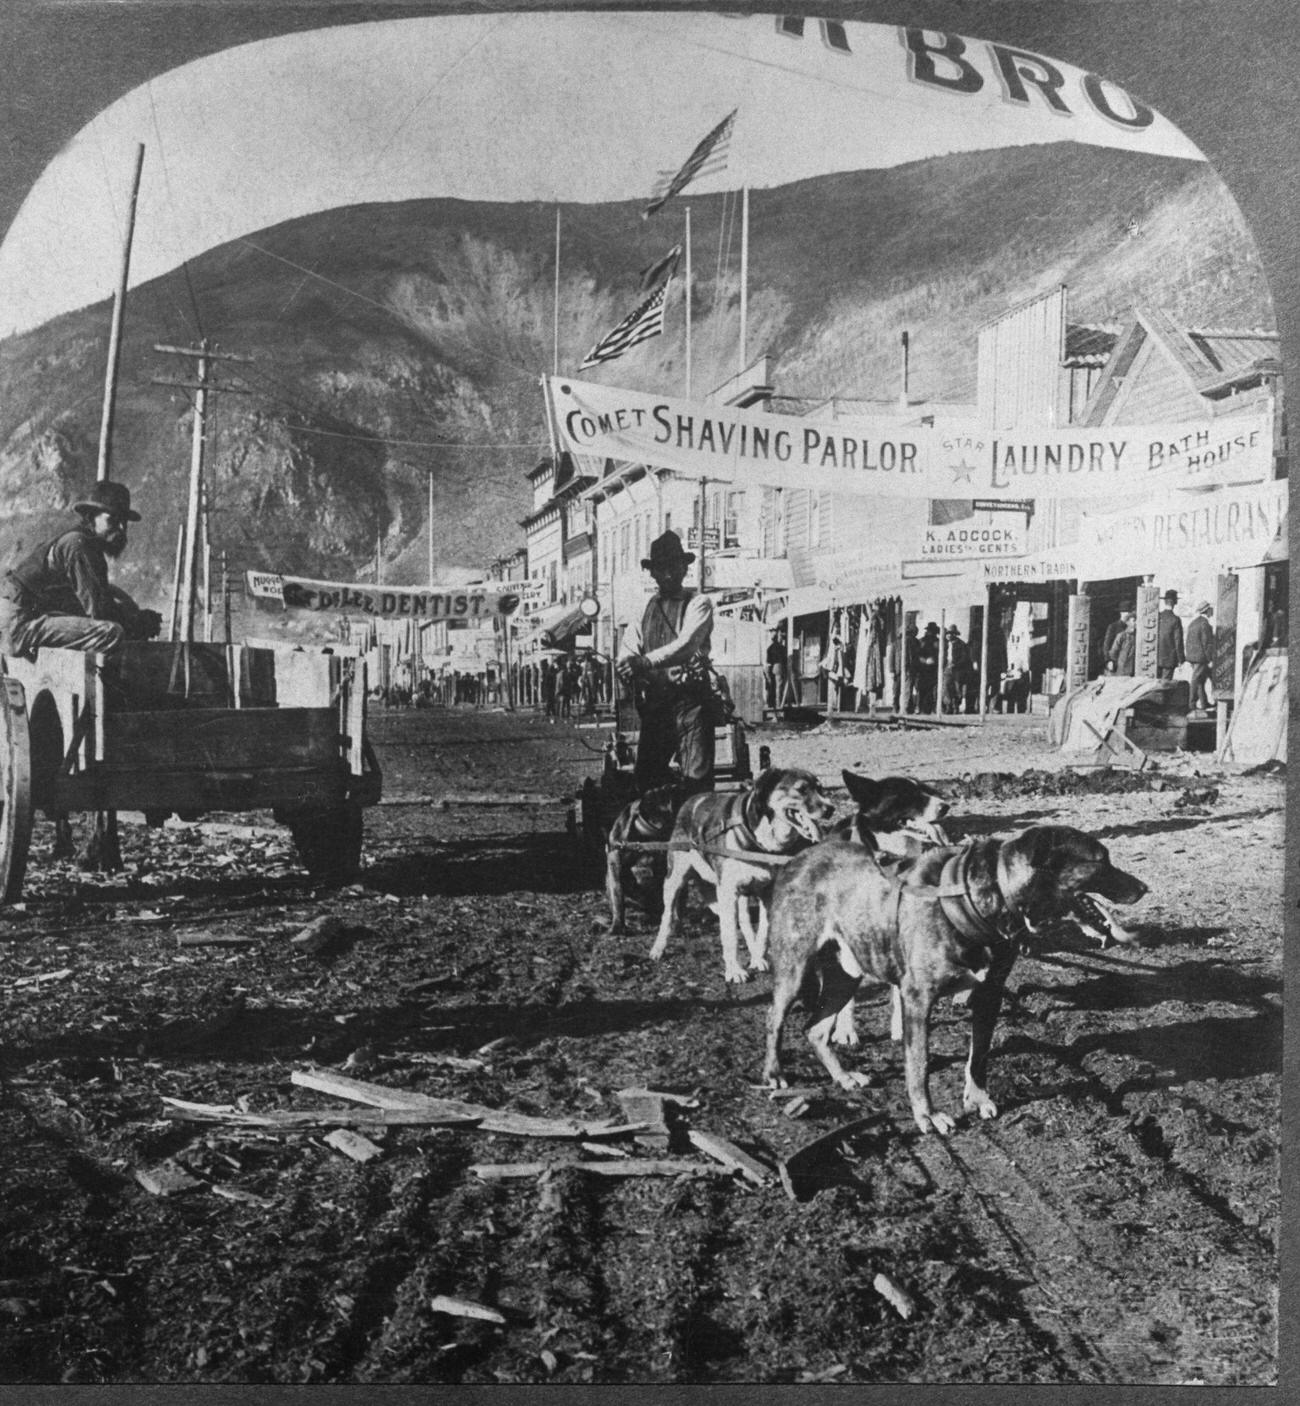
(710, 155)
(643, 322)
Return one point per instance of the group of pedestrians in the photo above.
(1173, 647)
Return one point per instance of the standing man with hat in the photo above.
(1200, 655)
(1169, 638)
(664, 657)
(60, 595)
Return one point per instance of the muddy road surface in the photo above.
(1117, 1223)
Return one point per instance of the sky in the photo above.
(513, 107)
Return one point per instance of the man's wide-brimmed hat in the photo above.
(952, 630)
(1205, 608)
(1170, 595)
(109, 497)
(665, 550)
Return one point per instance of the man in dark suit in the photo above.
(1200, 654)
(1169, 638)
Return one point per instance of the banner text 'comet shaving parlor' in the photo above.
(879, 457)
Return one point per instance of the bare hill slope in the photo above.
(398, 342)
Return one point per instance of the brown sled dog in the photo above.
(953, 918)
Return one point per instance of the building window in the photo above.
(637, 539)
(625, 541)
(814, 517)
(731, 523)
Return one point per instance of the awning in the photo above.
(554, 627)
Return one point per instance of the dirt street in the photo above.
(1117, 1223)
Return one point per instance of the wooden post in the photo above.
(190, 564)
(1223, 674)
(943, 661)
(904, 673)
(984, 653)
(207, 569)
(173, 624)
(1148, 612)
(115, 329)
(1077, 639)
(430, 514)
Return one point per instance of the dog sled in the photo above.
(169, 728)
(602, 797)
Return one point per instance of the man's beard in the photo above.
(114, 546)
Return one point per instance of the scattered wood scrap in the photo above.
(304, 1120)
(60, 975)
(731, 1157)
(166, 1179)
(237, 1193)
(803, 1173)
(632, 1167)
(509, 1171)
(657, 1111)
(903, 1303)
(491, 1120)
(352, 1144)
(464, 1308)
(213, 939)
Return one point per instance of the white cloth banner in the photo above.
(879, 457)
(269, 589)
(1236, 527)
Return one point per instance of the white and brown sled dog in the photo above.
(783, 812)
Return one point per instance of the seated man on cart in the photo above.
(664, 657)
(59, 594)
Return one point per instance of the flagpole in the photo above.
(555, 359)
(688, 302)
(744, 271)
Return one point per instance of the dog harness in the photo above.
(952, 893)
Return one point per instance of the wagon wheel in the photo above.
(328, 839)
(15, 790)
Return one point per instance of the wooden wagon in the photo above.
(187, 729)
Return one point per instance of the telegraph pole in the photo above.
(202, 356)
(115, 328)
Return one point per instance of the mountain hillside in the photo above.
(394, 344)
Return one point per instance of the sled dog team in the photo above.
(880, 896)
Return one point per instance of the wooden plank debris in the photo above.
(60, 975)
(302, 1120)
(651, 1108)
(491, 1120)
(166, 1179)
(509, 1171)
(653, 1167)
(798, 1172)
(731, 1156)
(464, 1308)
(632, 1167)
(353, 1145)
(237, 1193)
(601, 1149)
(213, 939)
(903, 1302)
